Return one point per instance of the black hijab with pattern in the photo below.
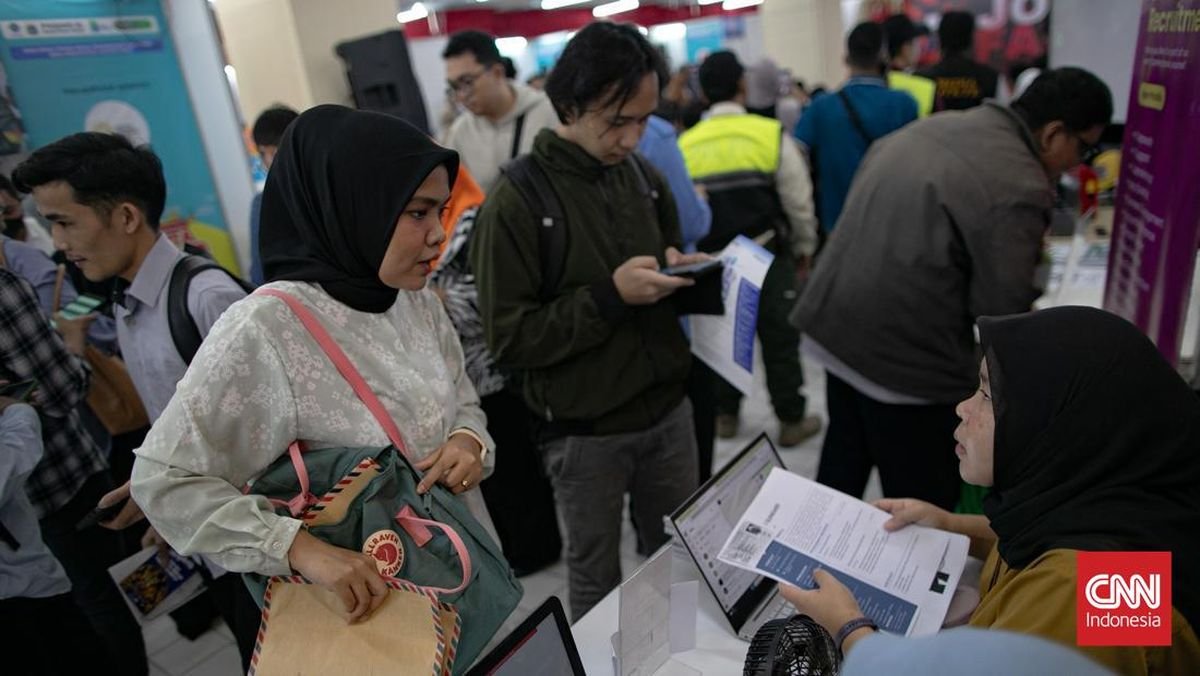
(1097, 443)
(337, 187)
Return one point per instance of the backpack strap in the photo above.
(642, 175)
(855, 120)
(518, 127)
(184, 332)
(530, 180)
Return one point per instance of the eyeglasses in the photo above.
(463, 83)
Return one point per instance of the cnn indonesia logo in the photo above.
(1124, 598)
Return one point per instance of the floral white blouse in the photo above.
(260, 381)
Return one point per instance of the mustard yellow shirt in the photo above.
(1040, 599)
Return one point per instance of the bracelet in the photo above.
(851, 627)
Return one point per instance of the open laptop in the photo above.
(541, 646)
(706, 520)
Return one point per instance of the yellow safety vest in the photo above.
(920, 88)
(732, 144)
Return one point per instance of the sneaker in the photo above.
(727, 426)
(796, 433)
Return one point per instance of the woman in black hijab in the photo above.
(1090, 441)
(349, 228)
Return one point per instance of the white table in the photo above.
(719, 650)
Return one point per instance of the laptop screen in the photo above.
(707, 519)
(541, 646)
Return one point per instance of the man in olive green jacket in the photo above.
(603, 360)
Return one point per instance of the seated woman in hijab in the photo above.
(1089, 441)
(349, 226)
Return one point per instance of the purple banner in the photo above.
(1156, 227)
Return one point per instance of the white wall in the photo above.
(261, 43)
(1101, 36)
(807, 37)
(220, 127)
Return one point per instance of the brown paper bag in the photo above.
(304, 631)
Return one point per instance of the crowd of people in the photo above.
(500, 289)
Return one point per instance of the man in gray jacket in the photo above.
(943, 224)
(502, 116)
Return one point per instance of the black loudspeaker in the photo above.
(381, 77)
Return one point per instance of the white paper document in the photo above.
(726, 342)
(903, 580)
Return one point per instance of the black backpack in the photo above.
(535, 188)
(184, 332)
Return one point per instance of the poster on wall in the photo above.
(107, 66)
(1156, 225)
(1008, 33)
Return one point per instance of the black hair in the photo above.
(102, 170)
(510, 68)
(601, 66)
(7, 186)
(864, 46)
(900, 31)
(477, 43)
(270, 125)
(720, 76)
(1073, 95)
(956, 32)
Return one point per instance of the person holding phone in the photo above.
(104, 198)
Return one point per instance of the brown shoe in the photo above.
(796, 433)
(727, 426)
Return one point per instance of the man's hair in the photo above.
(601, 66)
(1075, 96)
(510, 68)
(270, 125)
(102, 170)
(719, 76)
(864, 46)
(956, 32)
(900, 31)
(477, 43)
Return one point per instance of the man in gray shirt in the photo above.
(104, 198)
(943, 224)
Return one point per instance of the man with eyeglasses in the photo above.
(502, 116)
(943, 224)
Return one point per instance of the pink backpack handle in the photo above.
(405, 518)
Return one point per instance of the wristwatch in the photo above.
(851, 627)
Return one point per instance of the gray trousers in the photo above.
(591, 475)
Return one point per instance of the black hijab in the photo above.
(338, 185)
(1097, 443)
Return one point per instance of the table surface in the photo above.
(719, 650)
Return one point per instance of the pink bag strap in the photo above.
(406, 518)
(343, 365)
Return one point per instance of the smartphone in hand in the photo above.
(693, 270)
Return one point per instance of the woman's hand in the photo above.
(351, 575)
(910, 510)
(129, 514)
(831, 604)
(456, 464)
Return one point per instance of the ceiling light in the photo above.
(511, 47)
(611, 8)
(555, 4)
(708, 2)
(668, 32)
(414, 13)
(739, 4)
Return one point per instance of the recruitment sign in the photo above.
(1156, 227)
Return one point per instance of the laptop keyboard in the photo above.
(777, 608)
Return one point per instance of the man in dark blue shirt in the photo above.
(836, 130)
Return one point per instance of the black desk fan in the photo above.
(795, 646)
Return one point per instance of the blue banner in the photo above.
(89, 65)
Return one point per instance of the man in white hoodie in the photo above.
(502, 115)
